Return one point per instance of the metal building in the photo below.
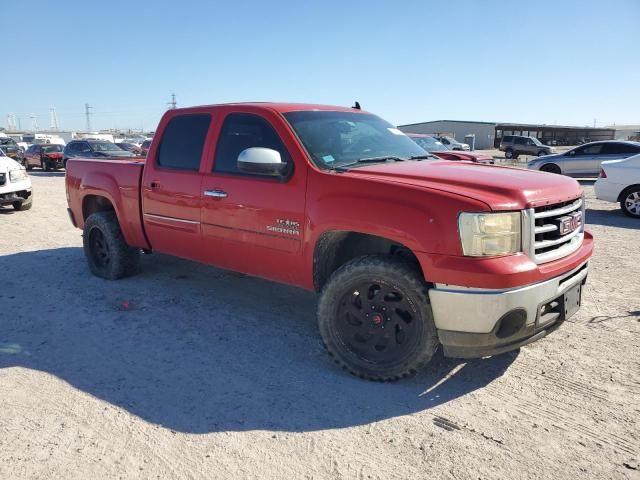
(489, 134)
(484, 131)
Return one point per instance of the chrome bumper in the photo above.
(473, 322)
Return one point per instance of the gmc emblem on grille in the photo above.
(569, 223)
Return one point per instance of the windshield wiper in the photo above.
(343, 168)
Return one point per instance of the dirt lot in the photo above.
(186, 371)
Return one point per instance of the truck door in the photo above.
(171, 187)
(254, 223)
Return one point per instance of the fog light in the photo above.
(511, 323)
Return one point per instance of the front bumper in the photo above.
(481, 322)
(17, 196)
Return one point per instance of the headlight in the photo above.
(17, 175)
(490, 234)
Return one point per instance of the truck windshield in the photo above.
(333, 139)
(105, 147)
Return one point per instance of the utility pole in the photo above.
(53, 119)
(172, 103)
(87, 115)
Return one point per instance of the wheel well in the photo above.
(551, 164)
(624, 192)
(334, 249)
(94, 203)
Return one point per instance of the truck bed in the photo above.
(116, 179)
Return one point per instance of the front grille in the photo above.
(547, 242)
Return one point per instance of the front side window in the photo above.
(182, 142)
(241, 131)
(333, 139)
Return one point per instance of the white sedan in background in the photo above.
(619, 181)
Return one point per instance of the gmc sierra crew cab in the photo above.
(407, 252)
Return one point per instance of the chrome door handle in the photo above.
(215, 193)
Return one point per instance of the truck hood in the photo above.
(7, 164)
(501, 188)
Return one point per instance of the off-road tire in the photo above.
(398, 274)
(551, 168)
(623, 199)
(123, 260)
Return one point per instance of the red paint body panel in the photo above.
(270, 228)
(116, 180)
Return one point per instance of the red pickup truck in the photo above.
(408, 252)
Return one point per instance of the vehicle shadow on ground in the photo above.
(197, 349)
(611, 218)
(44, 173)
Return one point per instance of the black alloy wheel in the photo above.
(99, 248)
(376, 322)
(375, 318)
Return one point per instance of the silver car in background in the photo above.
(585, 160)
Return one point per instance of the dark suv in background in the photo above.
(514, 145)
(92, 149)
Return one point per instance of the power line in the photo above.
(172, 103)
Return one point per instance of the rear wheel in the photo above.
(630, 202)
(44, 165)
(27, 165)
(550, 168)
(105, 249)
(508, 153)
(375, 318)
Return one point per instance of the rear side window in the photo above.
(239, 132)
(183, 141)
(620, 149)
(519, 140)
(507, 138)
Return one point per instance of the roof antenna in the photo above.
(357, 106)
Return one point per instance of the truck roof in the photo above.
(280, 107)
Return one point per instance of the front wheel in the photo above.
(630, 202)
(375, 318)
(542, 153)
(21, 206)
(105, 249)
(550, 168)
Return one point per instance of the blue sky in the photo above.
(565, 62)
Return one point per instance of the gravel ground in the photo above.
(186, 371)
